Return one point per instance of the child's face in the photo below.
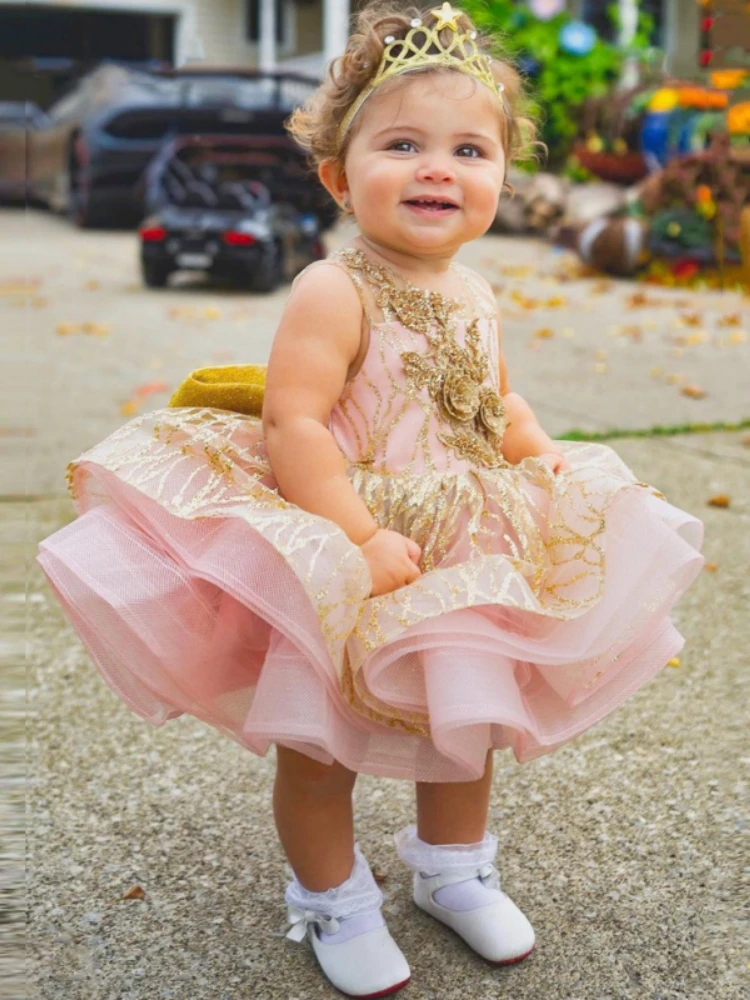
(436, 136)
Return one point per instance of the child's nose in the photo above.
(437, 169)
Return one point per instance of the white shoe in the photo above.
(366, 966)
(497, 931)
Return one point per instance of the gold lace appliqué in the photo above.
(454, 375)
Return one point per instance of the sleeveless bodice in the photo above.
(426, 397)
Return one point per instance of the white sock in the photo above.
(355, 904)
(454, 858)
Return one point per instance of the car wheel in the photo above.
(269, 274)
(155, 274)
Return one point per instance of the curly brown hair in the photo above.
(316, 124)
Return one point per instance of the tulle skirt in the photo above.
(543, 603)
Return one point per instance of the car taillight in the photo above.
(153, 234)
(235, 239)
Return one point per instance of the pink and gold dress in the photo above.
(543, 602)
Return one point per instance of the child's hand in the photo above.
(556, 461)
(392, 559)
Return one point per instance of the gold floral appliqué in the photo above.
(453, 375)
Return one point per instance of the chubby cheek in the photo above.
(380, 188)
(484, 199)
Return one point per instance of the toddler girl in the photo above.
(395, 571)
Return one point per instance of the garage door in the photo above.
(83, 34)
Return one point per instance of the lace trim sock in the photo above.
(451, 859)
(354, 905)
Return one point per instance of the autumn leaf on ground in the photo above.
(135, 893)
(148, 388)
(711, 567)
(729, 319)
(516, 270)
(91, 285)
(129, 408)
(745, 441)
(634, 332)
(738, 337)
(638, 300)
(693, 391)
(691, 319)
(720, 500)
(674, 662)
(601, 286)
(545, 333)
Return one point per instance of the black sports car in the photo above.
(220, 205)
(89, 153)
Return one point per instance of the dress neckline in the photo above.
(388, 281)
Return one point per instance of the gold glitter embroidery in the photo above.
(454, 375)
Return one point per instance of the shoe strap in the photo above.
(489, 875)
(301, 920)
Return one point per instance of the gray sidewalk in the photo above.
(623, 848)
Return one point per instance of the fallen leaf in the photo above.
(64, 329)
(675, 379)
(545, 333)
(693, 391)
(91, 285)
(720, 500)
(633, 331)
(129, 408)
(556, 302)
(135, 893)
(691, 319)
(674, 662)
(745, 441)
(739, 337)
(212, 312)
(656, 372)
(729, 319)
(516, 270)
(711, 567)
(148, 388)
(699, 337)
(379, 877)
(601, 286)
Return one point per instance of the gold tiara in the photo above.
(422, 46)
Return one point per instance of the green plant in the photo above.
(563, 81)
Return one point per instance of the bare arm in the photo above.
(316, 342)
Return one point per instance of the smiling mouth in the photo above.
(431, 204)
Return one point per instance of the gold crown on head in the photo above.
(422, 46)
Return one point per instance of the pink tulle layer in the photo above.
(206, 617)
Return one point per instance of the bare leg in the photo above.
(312, 805)
(454, 812)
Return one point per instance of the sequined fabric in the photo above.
(542, 603)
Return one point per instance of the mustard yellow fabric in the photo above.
(239, 388)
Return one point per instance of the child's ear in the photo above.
(333, 179)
